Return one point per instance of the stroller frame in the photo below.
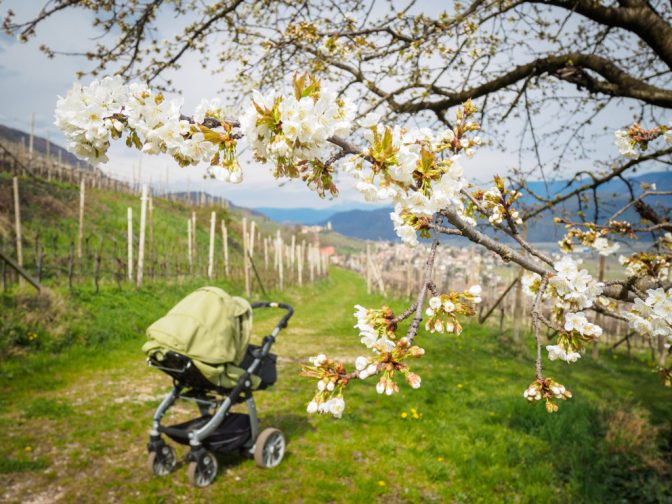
(201, 460)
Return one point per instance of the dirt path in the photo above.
(85, 440)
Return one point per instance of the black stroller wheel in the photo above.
(162, 461)
(202, 472)
(269, 448)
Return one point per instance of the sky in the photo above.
(30, 84)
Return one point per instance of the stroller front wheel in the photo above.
(269, 448)
(162, 461)
(203, 470)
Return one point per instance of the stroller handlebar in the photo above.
(267, 304)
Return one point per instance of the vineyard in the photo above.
(427, 257)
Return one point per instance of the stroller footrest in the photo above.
(231, 434)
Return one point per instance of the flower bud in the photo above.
(312, 407)
(414, 380)
(361, 363)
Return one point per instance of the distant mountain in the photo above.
(309, 216)
(365, 224)
(297, 215)
(376, 225)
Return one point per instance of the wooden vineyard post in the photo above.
(311, 261)
(152, 253)
(253, 226)
(80, 233)
(299, 271)
(31, 139)
(71, 264)
(193, 243)
(246, 259)
(129, 268)
(211, 250)
(225, 246)
(266, 253)
(280, 262)
(190, 253)
(17, 225)
(141, 244)
(292, 255)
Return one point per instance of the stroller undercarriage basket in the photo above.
(231, 434)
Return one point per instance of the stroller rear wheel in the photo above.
(162, 461)
(203, 470)
(269, 448)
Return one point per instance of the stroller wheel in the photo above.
(163, 461)
(202, 472)
(270, 448)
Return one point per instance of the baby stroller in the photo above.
(203, 344)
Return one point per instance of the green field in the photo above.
(75, 416)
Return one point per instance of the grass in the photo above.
(75, 422)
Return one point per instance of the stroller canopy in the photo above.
(208, 325)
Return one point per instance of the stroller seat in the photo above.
(186, 372)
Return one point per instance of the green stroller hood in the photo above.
(208, 326)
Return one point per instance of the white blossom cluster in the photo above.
(443, 310)
(300, 128)
(159, 123)
(578, 322)
(334, 405)
(365, 367)
(626, 145)
(91, 115)
(575, 288)
(572, 290)
(653, 316)
(84, 116)
(372, 335)
(492, 202)
(637, 266)
(604, 247)
(534, 391)
(398, 184)
(562, 352)
(630, 148)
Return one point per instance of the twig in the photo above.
(413, 329)
(536, 307)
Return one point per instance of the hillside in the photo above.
(40, 145)
(50, 226)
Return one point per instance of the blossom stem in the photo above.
(413, 329)
(536, 309)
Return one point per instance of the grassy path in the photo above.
(75, 427)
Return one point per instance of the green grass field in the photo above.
(75, 417)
